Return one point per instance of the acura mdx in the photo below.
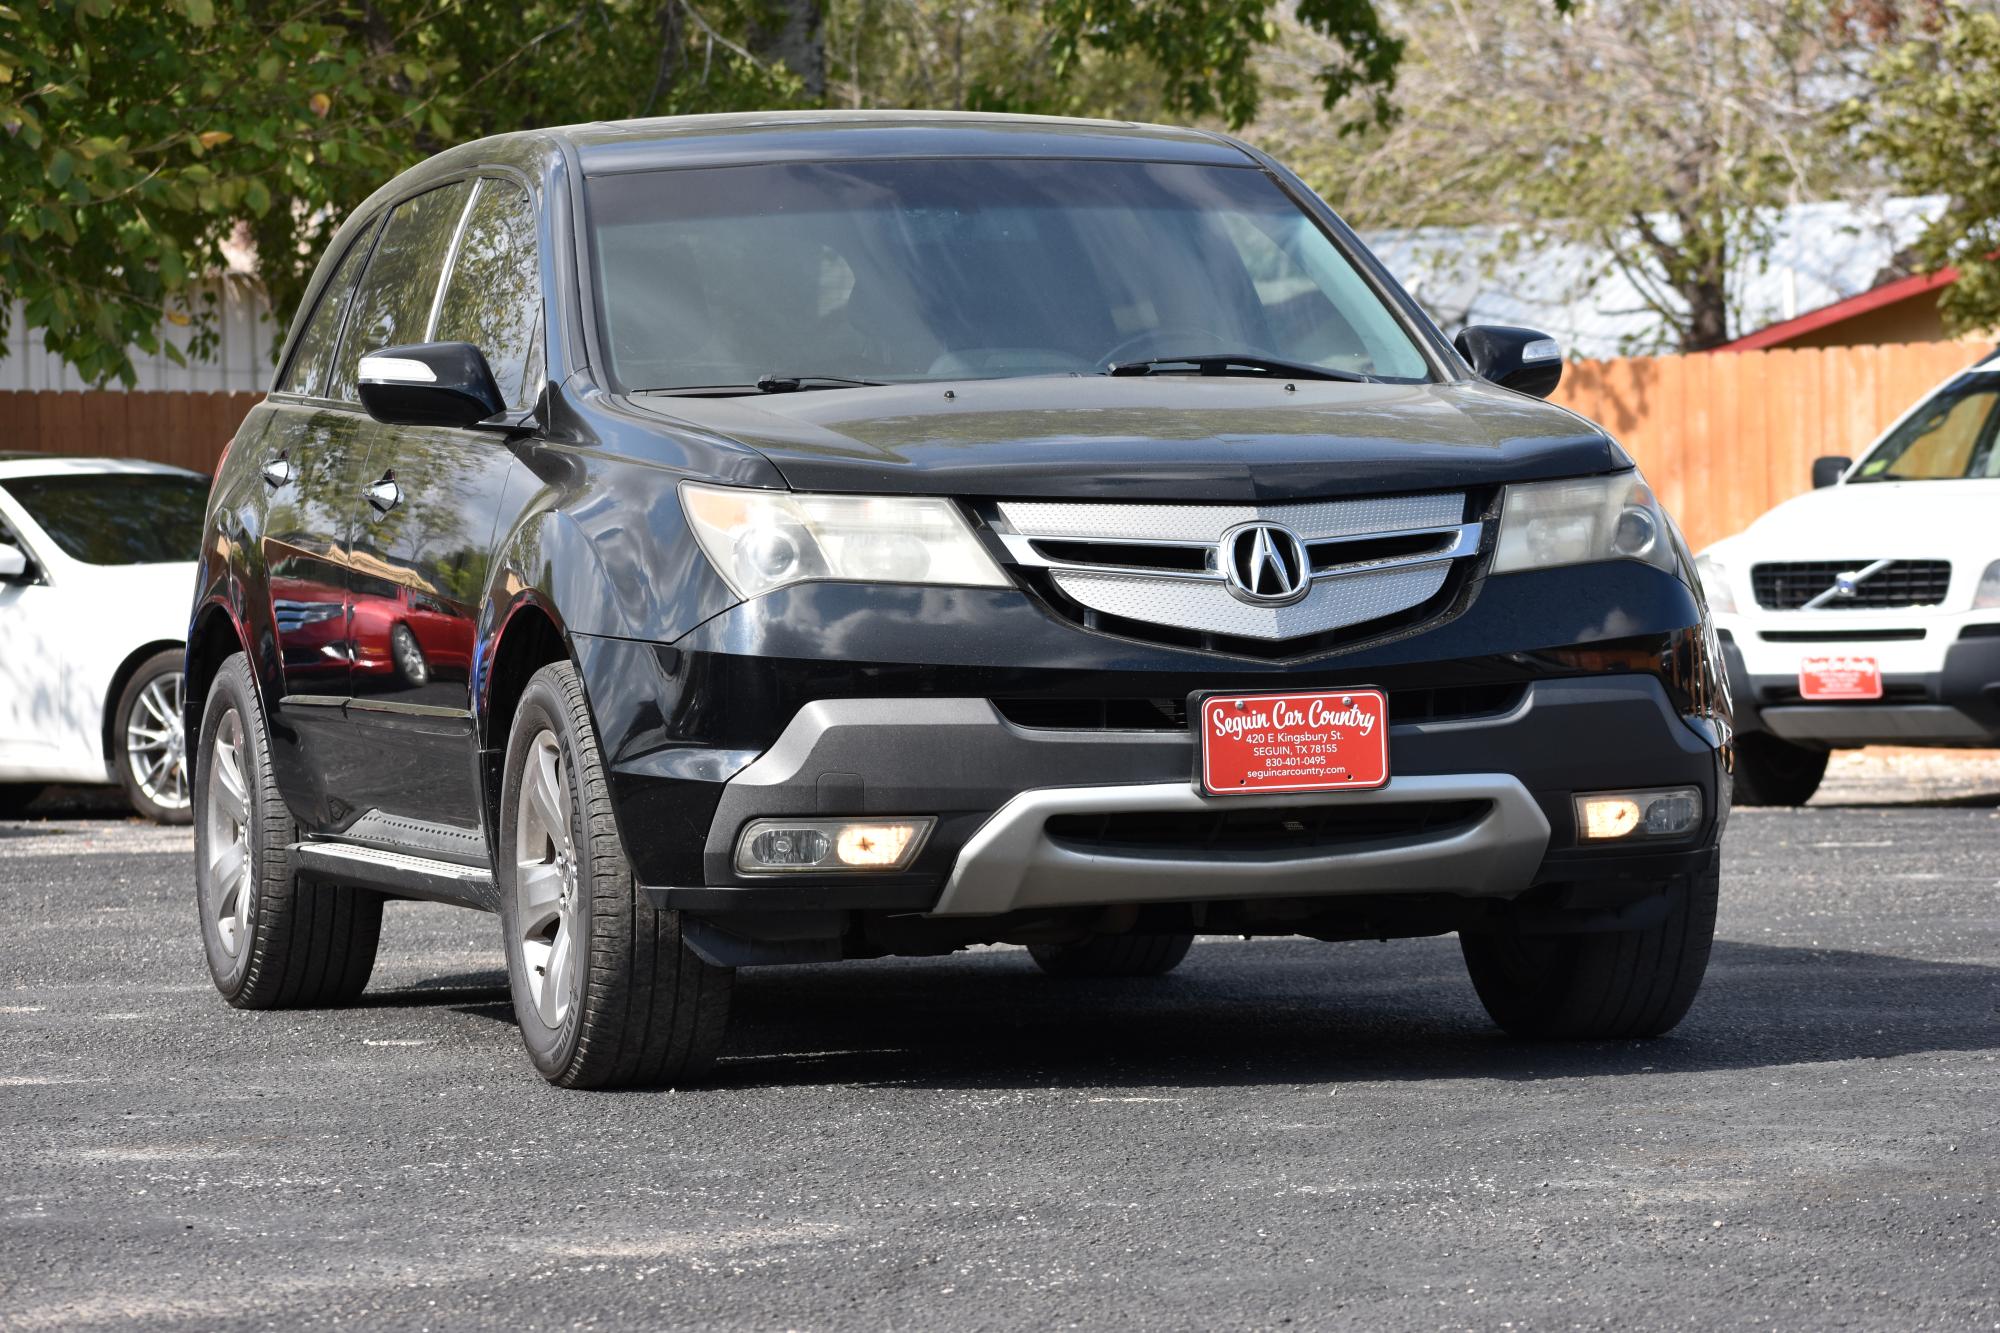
(770, 539)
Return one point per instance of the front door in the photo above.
(37, 711)
(423, 544)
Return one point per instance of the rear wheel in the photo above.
(1774, 772)
(1114, 955)
(150, 748)
(607, 992)
(1627, 983)
(273, 940)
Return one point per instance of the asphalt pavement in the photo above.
(1282, 1134)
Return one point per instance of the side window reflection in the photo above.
(311, 372)
(493, 298)
(393, 304)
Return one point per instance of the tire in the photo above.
(408, 656)
(16, 797)
(1614, 984)
(1113, 955)
(607, 992)
(148, 746)
(273, 939)
(1774, 772)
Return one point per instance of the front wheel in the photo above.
(1774, 772)
(1613, 984)
(150, 746)
(607, 992)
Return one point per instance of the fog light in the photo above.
(830, 845)
(1608, 816)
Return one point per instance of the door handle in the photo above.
(385, 494)
(279, 472)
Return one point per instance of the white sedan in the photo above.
(96, 559)
(1867, 611)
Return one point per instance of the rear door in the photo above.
(422, 547)
(314, 448)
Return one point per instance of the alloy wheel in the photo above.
(546, 879)
(232, 889)
(156, 743)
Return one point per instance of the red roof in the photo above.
(1889, 293)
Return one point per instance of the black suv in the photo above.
(788, 538)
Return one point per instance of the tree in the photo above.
(1660, 134)
(1932, 117)
(136, 140)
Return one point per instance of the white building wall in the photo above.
(241, 361)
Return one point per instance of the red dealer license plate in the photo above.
(1839, 676)
(1325, 740)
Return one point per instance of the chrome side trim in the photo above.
(1012, 863)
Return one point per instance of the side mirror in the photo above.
(429, 384)
(1827, 471)
(14, 564)
(1518, 359)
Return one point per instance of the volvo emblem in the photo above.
(1847, 585)
(1265, 563)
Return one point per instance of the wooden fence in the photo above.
(1723, 436)
(186, 429)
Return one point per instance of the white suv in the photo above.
(1867, 611)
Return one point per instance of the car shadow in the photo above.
(1287, 1011)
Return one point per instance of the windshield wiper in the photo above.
(794, 383)
(766, 384)
(1235, 363)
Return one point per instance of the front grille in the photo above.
(1293, 829)
(1790, 585)
(1161, 571)
(1441, 704)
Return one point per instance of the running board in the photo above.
(398, 873)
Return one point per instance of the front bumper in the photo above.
(1948, 699)
(1009, 798)
(842, 700)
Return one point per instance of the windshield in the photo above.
(117, 518)
(1951, 438)
(914, 270)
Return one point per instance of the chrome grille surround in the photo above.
(1186, 589)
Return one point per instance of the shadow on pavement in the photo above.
(1288, 1011)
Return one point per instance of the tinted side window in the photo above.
(493, 298)
(311, 371)
(117, 519)
(392, 305)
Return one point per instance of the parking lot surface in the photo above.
(1283, 1133)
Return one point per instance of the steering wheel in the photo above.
(1163, 340)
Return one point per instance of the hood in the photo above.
(1907, 520)
(1161, 438)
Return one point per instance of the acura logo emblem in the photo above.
(1265, 562)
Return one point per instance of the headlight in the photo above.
(1715, 582)
(1987, 595)
(760, 540)
(1574, 522)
